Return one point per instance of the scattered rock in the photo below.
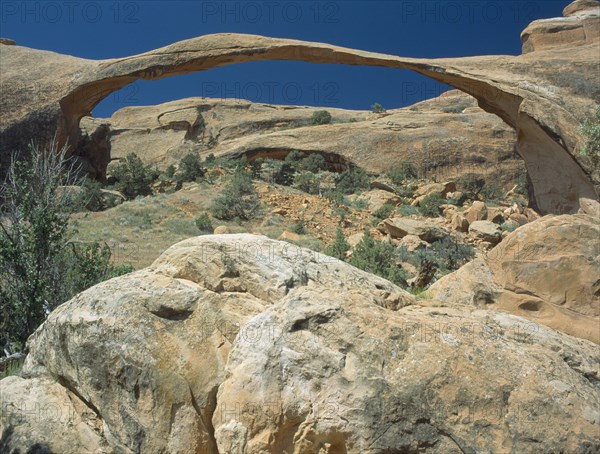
(400, 227)
(377, 198)
(289, 236)
(476, 212)
(520, 219)
(441, 189)
(485, 231)
(413, 243)
(222, 229)
(459, 223)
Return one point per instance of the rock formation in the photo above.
(443, 144)
(537, 93)
(241, 344)
(547, 271)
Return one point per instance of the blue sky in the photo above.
(415, 28)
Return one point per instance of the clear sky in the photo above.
(415, 28)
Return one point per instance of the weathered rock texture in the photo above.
(538, 93)
(547, 271)
(241, 344)
(144, 354)
(442, 144)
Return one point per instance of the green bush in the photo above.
(339, 247)
(455, 109)
(210, 160)
(383, 213)
(320, 117)
(336, 196)
(351, 180)
(239, 198)
(299, 227)
(314, 162)
(204, 224)
(40, 267)
(377, 108)
(294, 157)
(430, 205)
(170, 171)
(133, 177)
(407, 171)
(307, 182)
(93, 199)
(190, 167)
(522, 184)
(378, 257)
(471, 186)
(491, 192)
(446, 255)
(408, 210)
(284, 174)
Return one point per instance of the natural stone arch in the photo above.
(514, 88)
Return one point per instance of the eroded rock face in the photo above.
(536, 93)
(443, 144)
(144, 354)
(242, 344)
(350, 377)
(546, 270)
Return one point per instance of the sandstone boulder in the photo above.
(350, 377)
(459, 223)
(413, 243)
(476, 212)
(441, 189)
(400, 227)
(485, 231)
(546, 271)
(377, 198)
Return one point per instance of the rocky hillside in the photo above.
(447, 137)
(537, 93)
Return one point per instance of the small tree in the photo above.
(339, 247)
(133, 177)
(320, 117)
(314, 162)
(204, 224)
(40, 267)
(308, 182)
(239, 198)
(351, 180)
(190, 167)
(430, 205)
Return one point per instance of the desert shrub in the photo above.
(352, 180)
(336, 196)
(40, 267)
(430, 205)
(239, 198)
(446, 255)
(377, 108)
(522, 184)
(204, 223)
(210, 160)
(284, 174)
(383, 213)
(133, 177)
(92, 198)
(312, 163)
(320, 117)
(190, 167)
(471, 186)
(590, 129)
(378, 257)
(406, 171)
(407, 210)
(170, 171)
(360, 204)
(339, 247)
(256, 166)
(455, 109)
(299, 227)
(294, 157)
(307, 182)
(491, 192)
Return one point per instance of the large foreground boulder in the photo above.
(242, 344)
(547, 271)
